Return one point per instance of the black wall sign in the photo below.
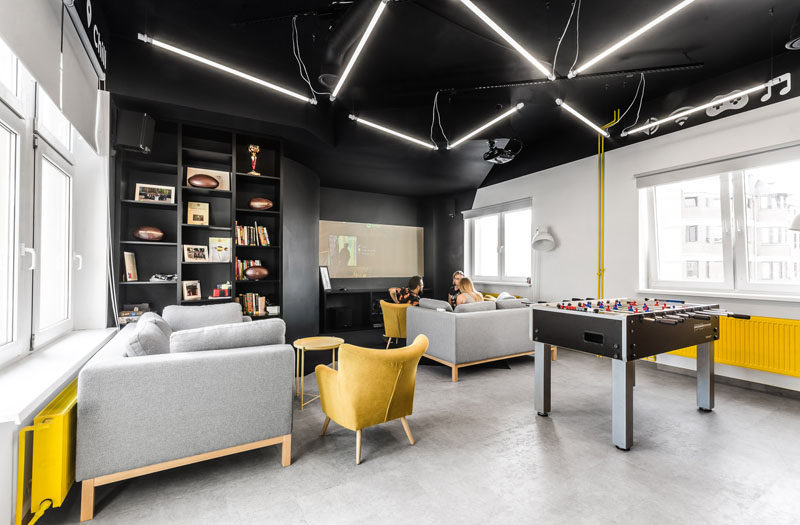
(92, 28)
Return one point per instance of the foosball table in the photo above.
(625, 330)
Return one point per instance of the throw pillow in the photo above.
(483, 306)
(187, 317)
(508, 304)
(147, 339)
(435, 304)
(234, 335)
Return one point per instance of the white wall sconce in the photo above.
(543, 241)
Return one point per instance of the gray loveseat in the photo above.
(473, 333)
(194, 385)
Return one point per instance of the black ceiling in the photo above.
(418, 48)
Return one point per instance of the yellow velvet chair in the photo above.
(394, 321)
(370, 387)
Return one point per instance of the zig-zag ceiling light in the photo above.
(360, 47)
(226, 69)
(487, 125)
(393, 132)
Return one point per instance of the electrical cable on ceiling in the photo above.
(561, 39)
(300, 64)
(577, 36)
(643, 84)
(436, 116)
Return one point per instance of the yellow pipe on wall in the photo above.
(601, 205)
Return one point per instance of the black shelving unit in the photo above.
(176, 147)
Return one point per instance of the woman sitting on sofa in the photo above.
(468, 293)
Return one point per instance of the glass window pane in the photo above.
(8, 68)
(53, 246)
(772, 201)
(486, 237)
(51, 119)
(689, 231)
(7, 197)
(517, 243)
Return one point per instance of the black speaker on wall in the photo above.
(135, 131)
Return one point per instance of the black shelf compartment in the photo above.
(150, 243)
(207, 191)
(150, 204)
(206, 300)
(258, 179)
(163, 150)
(207, 227)
(268, 160)
(219, 209)
(140, 283)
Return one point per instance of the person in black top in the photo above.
(410, 294)
(453, 292)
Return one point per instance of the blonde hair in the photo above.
(456, 274)
(466, 287)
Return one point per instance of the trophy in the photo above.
(254, 150)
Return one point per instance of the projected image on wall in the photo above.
(354, 249)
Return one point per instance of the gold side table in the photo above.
(304, 345)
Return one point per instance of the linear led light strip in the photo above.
(359, 48)
(505, 36)
(393, 132)
(582, 118)
(487, 125)
(226, 69)
(636, 34)
(678, 116)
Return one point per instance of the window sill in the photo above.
(505, 283)
(722, 295)
(31, 380)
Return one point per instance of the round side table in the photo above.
(307, 344)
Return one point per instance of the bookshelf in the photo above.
(176, 147)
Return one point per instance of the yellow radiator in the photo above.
(760, 343)
(52, 456)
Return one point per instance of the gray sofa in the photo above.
(156, 398)
(473, 333)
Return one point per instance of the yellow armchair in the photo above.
(394, 321)
(370, 387)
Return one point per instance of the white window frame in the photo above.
(500, 211)
(731, 171)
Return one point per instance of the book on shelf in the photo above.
(251, 235)
(197, 213)
(252, 304)
(244, 264)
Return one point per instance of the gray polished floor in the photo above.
(482, 455)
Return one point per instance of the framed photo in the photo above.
(195, 253)
(219, 249)
(191, 290)
(326, 278)
(197, 213)
(154, 193)
(223, 178)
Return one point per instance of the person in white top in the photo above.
(468, 293)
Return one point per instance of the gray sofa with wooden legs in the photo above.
(194, 385)
(472, 333)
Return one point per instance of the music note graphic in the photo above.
(787, 77)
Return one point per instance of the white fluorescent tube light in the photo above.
(229, 70)
(359, 48)
(582, 118)
(639, 32)
(505, 36)
(487, 125)
(678, 116)
(393, 132)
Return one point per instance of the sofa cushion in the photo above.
(483, 306)
(147, 339)
(435, 304)
(507, 304)
(187, 317)
(158, 320)
(234, 335)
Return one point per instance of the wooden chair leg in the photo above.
(358, 447)
(286, 450)
(325, 425)
(555, 353)
(87, 500)
(388, 342)
(407, 429)
(455, 374)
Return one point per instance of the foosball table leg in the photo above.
(622, 375)
(541, 365)
(705, 376)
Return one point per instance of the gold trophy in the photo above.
(254, 150)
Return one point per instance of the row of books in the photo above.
(252, 235)
(252, 304)
(244, 264)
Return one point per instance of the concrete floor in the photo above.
(482, 455)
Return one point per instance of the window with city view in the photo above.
(728, 231)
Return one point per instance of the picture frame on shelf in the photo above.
(223, 178)
(326, 278)
(154, 193)
(191, 290)
(197, 213)
(195, 253)
(219, 249)
(131, 273)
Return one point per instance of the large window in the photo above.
(8, 169)
(728, 231)
(498, 243)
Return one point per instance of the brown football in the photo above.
(201, 180)
(148, 233)
(256, 273)
(260, 203)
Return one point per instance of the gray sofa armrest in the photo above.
(439, 327)
(134, 412)
(486, 335)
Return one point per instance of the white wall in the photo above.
(565, 199)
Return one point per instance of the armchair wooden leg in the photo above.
(388, 342)
(455, 374)
(555, 353)
(286, 450)
(325, 425)
(87, 500)
(407, 429)
(358, 447)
